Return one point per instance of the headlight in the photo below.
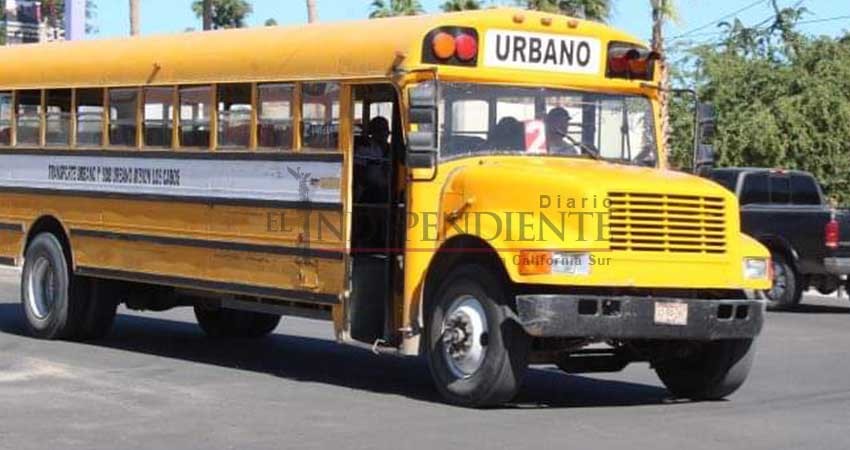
(756, 268)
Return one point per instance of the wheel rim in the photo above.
(780, 282)
(465, 336)
(41, 288)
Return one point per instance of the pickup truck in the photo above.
(787, 212)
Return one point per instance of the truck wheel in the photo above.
(714, 372)
(477, 354)
(787, 288)
(230, 323)
(53, 299)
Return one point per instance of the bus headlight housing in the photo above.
(756, 268)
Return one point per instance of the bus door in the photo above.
(375, 241)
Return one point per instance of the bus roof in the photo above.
(338, 50)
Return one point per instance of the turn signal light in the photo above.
(444, 45)
(533, 262)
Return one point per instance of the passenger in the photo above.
(509, 134)
(557, 129)
(371, 160)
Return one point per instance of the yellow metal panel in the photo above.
(343, 50)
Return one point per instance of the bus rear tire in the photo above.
(230, 323)
(53, 299)
(714, 372)
(477, 354)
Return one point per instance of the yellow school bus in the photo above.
(487, 189)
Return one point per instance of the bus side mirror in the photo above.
(422, 141)
(705, 155)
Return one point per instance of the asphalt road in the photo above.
(157, 382)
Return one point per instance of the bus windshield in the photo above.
(488, 119)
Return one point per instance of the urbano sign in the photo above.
(540, 51)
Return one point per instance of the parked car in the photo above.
(787, 212)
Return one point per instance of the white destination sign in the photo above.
(304, 181)
(540, 51)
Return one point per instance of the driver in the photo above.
(557, 127)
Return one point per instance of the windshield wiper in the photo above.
(586, 148)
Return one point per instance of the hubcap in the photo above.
(465, 335)
(780, 282)
(41, 288)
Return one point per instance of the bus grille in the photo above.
(667, 223)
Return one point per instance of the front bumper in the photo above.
(837, 266)
(593, 317)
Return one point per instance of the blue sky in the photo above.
(169, 16)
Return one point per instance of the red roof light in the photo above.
(467, 47)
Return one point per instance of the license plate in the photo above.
(671, 313)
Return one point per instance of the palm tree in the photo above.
(662, 12)
(207, 14)
(134, 17)
(392, 8)
(460, 5)
(597, 10)
(224, 13)
(312, 11)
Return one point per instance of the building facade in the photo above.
(26, 21)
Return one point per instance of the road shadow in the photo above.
(324, 361)
(816, 309)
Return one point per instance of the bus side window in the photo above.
(274, 126)
(195, 116)
(58, 117)
(123, 108)
(234, 115)
(29, 117)
(5, 118)
(90, 117)
(158, 117)
(320, 116)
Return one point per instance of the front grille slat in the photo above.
(642, 222)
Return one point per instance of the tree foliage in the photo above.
(54, 13)
(225, 13)
(460, 5)
(392, 8)
(598, 10)
(783, 100)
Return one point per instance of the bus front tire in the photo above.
(714, 372)
(52, 298)
(230, 323)
(477, 354)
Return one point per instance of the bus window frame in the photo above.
(108, 109)
(41, 116)
(294, 111)
(11, 121)
(212, 122)
(251, 102)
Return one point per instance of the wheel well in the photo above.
(778, 246)
(49, 224)
(462, 250)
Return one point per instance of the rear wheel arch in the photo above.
(52, 225)
(779, 245)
